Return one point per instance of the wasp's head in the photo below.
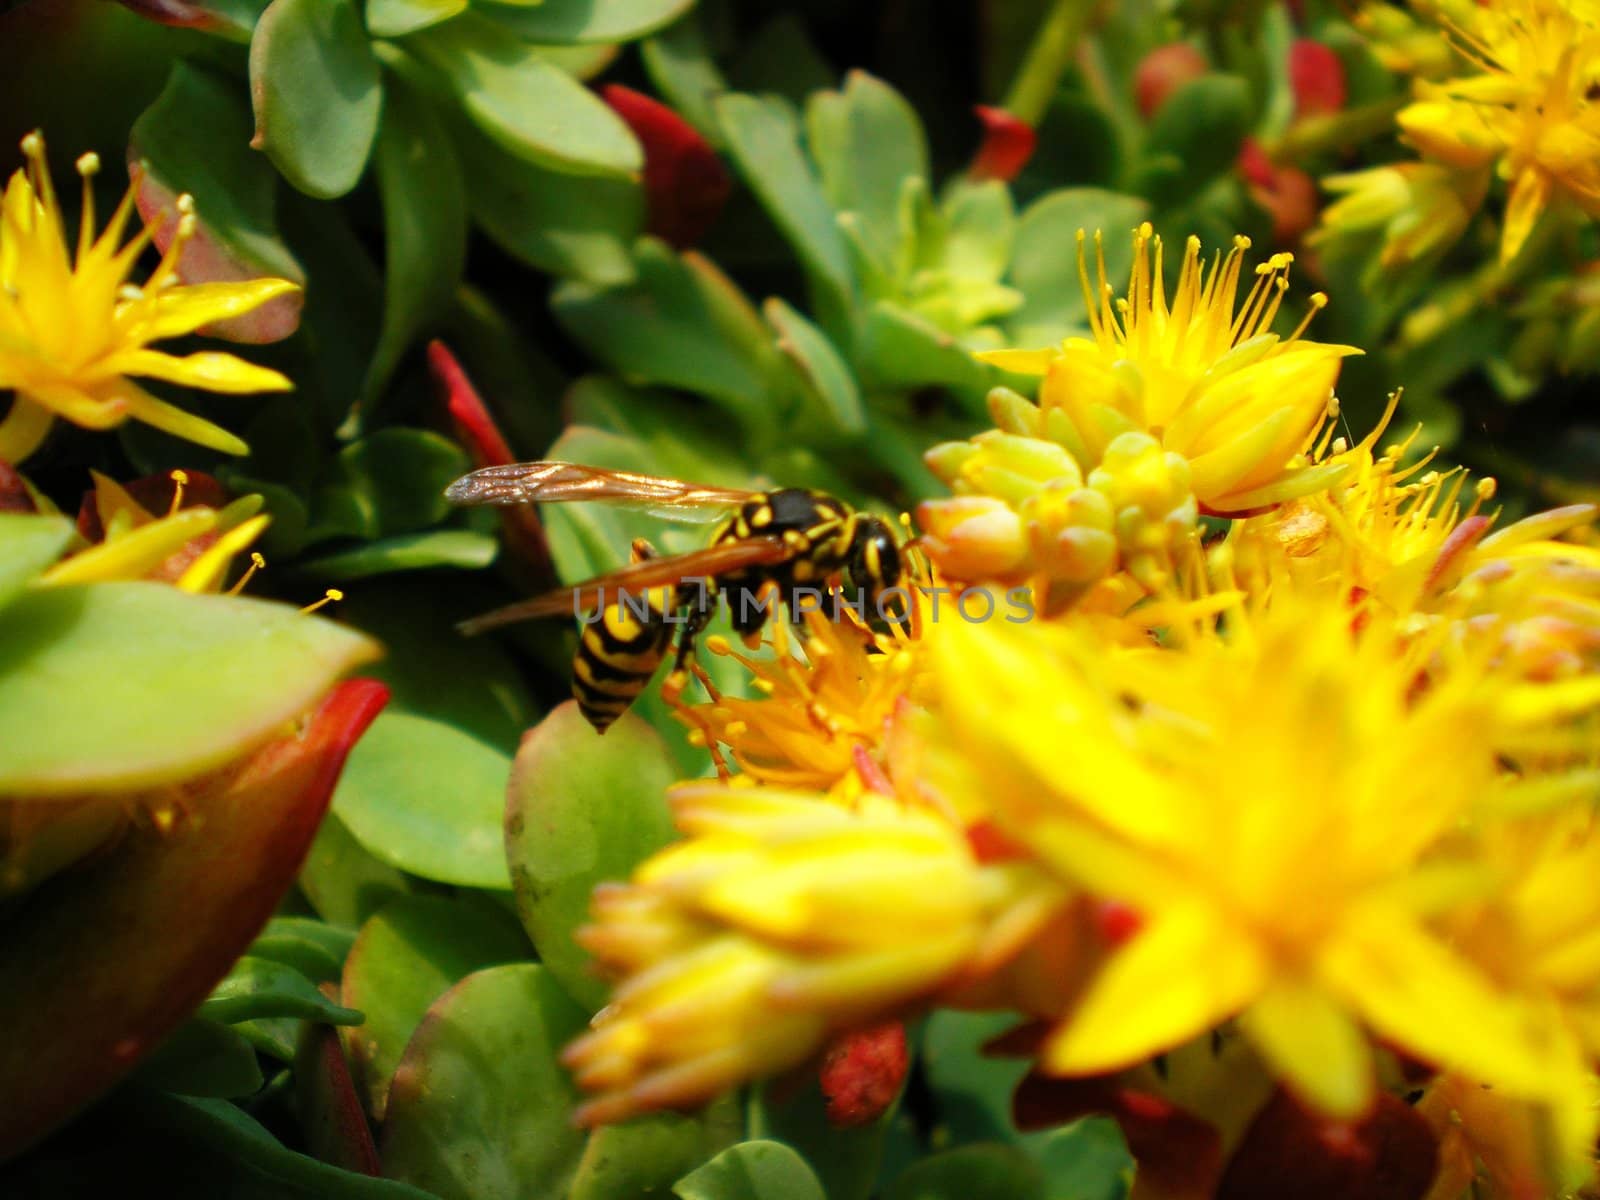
(875, 565)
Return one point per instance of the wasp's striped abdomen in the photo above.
(619, 651)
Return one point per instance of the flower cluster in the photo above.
(1503, 89)
(1309, 800)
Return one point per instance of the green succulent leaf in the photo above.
(832, 396)
(685, 73)
(972, 1094)
(432, 671)
(480, 1108)
(313, 948)
(582, 226)
(396, 479)
(572, 22)
(404, 959)
(752, 1171)
(429, 799)
(259, 987)
(78, 666)
(642, 1157)
(28, 544)
(1194, 137)
(464, 548)
(1045, 266)
(902, 349)
(980, 230)
(424, 225)
(763, 137)
(344, 883)
(581, 808)
(234, 190)
(202, 1058)
(867, 141)
(318, 93)
(846, 1161)
(528, 105)
(968, 1171)
(681, 324)
(396, 18)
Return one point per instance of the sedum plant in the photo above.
(1213, 818)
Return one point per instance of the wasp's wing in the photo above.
(635, 578)
(552, 482)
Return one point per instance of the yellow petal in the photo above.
(1427, 999)
(1530, 193)
(135, 554)
(23, 429)
(1183, 974)
(209, 370)
(1020, 362)
(1310, 1041)
(206, 572)
(183, 310)
(169, 418)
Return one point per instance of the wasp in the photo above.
(793, 538)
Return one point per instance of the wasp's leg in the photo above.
(642, 550)
(751, 604)
(696, 613)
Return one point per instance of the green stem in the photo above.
(1048, 59)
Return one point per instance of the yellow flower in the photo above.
(1281, 806)
(782, 918)
(1203, 375)
(72, 329)
(1529, 107)
(192, 546)
(1412, 541)
(1420, 208)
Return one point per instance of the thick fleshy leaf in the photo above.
(78, 666)
(643, 1157)
(581, 808)
(1194, 138)
(424, 225)
(396, 18)
(752, 1171)
(344, 883)
(685, 73)
(581, 226)
(202, 1058)
(391, 481)
(763, 137)
(328, 1107)
(101, 972)
(479, 1108)
(970, 1171)
(901, 349)
(404, 959)
(867, 141)
(318, 93)
(465, 548)
(427, 798)
(531, 107)
(235, 196)
(1045, 261)
(29, 543)
(569, 22)
(257, 988)
(830, 389)
(314, 948)
(681, 324)
(972, 1093)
